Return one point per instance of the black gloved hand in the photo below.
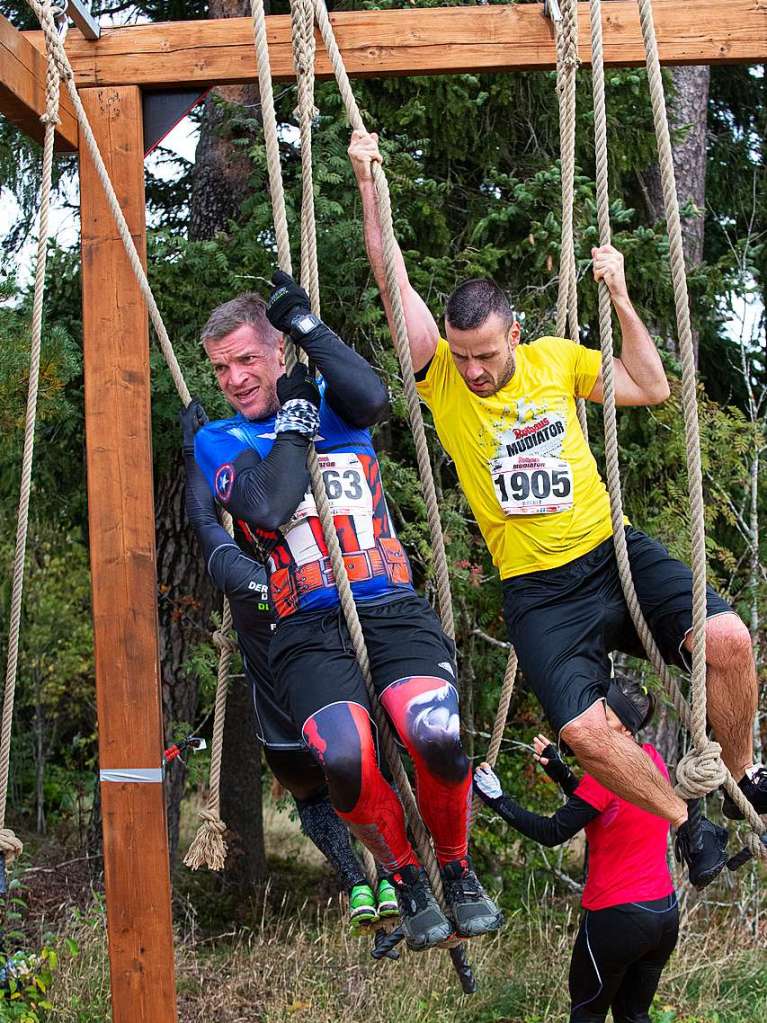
(558, 770)
(298, 384)
(191, 418)
(287, 299)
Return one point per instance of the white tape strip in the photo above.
(136, 774)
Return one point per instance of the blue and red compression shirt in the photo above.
(300, 574)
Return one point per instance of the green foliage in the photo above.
(26, 997)
(25, 976)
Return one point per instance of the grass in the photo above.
(295, 961)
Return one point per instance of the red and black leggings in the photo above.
(318, 679)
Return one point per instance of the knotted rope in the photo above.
(10, 845)
(566, 39)
(304, 49)
(702, 770)
(209, 837)
(402, 347)
(324, 510)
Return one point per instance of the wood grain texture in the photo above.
(424, 41)
(123, 573)
(22, 89)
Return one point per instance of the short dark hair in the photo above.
(473, 301)
(246, 308)
(633, 704)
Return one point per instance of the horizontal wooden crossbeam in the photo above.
(22, 89)
(415, 42)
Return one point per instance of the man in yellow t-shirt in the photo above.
(506, 415)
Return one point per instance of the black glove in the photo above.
(192, 418)
(558, 770)
(298, 384)
(286, 301)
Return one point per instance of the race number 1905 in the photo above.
(527, 485)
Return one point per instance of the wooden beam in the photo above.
(423, 41)
(123, 571)
(22, 89)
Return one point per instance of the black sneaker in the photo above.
(472, 909)
(701, 845)
(755, 791)
(422, 921)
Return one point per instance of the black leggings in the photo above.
(619, 955)
(296, 770)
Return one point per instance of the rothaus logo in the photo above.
(534, 436)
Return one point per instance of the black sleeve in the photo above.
(240, 577)
(232, 571)
(266, 492)
(549, 831)
(354, 390)
(201, 509)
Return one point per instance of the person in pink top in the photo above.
(630, 920)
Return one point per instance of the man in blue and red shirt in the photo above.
(256, 465)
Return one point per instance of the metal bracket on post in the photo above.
(80, 13)
(551, 9)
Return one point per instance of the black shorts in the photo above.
(274, 725)
(313, 660)
(564, 622)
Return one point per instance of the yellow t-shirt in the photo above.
(521, 457)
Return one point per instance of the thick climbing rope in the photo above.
(566, 40)
(10, 845)
(324, 510)
(209, 840)
(304, 48)
(402, 347)
(302, 14)
(399, 334)
(701, 770)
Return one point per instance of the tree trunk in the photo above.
(241, 791)
(186, 599)
(221, 169)
(219, 186)
(40, 758)
(688, 113)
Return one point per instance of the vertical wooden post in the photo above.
(123, 574)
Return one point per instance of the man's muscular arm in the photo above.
(422, 329)
(639, 375)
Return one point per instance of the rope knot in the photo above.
(208, 848)
(10, 846)
(212, 821)
(700, 771)
(223, 642)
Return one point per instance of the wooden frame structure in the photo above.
(111, 73)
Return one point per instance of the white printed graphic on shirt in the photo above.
(529, 475)
(348, 493)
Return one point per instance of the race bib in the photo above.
(532, 484)
(348, 493)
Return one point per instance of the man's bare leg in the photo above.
(731, 689)
(621, 765)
